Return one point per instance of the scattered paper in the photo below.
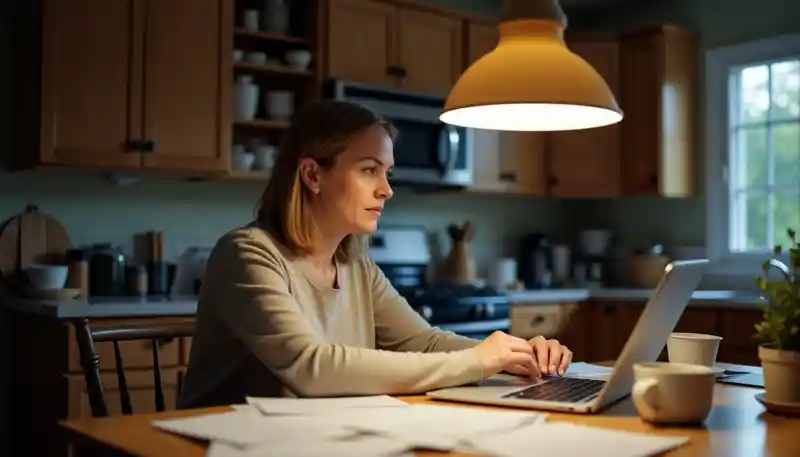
(249, 427)
(588, 370)
(559, 438)
(366, 446)
(306, 406)
(438, 427)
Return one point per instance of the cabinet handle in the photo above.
(508, 176)
(552, 180)
(537, 320)
(393, 70)
(653, 179)
(402, 72)
(148, 146)
(134, 146)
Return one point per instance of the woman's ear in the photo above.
(310, 173)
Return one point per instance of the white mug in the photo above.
(696, 348)
(665, 392)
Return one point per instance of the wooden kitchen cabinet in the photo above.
(569, 323)
(127, 84)
(582, 163)
(381, 42)
(658, 92)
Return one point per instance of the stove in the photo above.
(402, 255)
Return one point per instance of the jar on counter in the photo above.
(106, 270)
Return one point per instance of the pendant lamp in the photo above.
(531, 81)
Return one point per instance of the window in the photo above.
(753, 147)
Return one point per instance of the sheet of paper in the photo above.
(249, 427)
(438, 427)
(306, 406)
(367, 446)
(558, 438)
(588, 370)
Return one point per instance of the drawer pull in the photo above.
(537, 320)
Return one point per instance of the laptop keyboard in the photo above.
(568, 390)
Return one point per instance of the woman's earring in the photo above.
(316, 191)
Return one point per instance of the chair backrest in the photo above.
(90, 360)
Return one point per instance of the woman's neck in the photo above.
(324, 251)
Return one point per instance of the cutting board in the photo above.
(28, 238)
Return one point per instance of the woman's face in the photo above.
(352, 192)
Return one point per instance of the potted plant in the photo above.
(779, 328)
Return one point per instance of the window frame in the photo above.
(718, 63)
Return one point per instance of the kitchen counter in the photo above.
(728, 298)
(187, 306)
(104, 307)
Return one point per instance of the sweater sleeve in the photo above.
(400, 328)
(254, 300)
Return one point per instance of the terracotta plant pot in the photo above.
(781, 374)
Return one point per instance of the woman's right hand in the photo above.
(503, 352)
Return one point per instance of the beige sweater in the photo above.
(264, 328)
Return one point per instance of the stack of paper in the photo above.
(384, 426)
(588, 370)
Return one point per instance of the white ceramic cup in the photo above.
(696, 348)
(250, 19)
(665, 392)
(280, 104)
(257, 58)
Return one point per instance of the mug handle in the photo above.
(644, 396)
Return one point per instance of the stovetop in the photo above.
(442, 304)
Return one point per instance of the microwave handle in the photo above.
(447, 151)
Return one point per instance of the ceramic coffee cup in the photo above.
(673, 392)
(696, 348)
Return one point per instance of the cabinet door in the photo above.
(585, 163)
(481, 38)
(522, 160)
(183, 83)
(430, 51)
(489, 174)
(90, 99)
(361, 41)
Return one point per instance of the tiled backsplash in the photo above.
(93, 209)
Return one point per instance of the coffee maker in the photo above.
(535, 262)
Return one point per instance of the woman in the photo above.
(291, 305)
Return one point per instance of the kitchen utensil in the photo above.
(459, 267)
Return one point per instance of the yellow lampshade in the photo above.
(531, 82)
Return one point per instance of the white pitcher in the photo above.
(245, 100)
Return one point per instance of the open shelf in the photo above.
(269, 36)
(271, 69)
(263, 124)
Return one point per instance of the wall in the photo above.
(641, 220)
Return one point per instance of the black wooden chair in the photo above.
(90, 361)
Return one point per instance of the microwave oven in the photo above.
(427, 152)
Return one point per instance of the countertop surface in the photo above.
(187, 306)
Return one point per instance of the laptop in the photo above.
(587, 395)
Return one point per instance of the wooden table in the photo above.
(737, 426)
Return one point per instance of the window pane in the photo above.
(785, 96)
(750, 157)
(753, 96)
(786, 151)
(749, 219)
(787, 215)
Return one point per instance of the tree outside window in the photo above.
(764, 148)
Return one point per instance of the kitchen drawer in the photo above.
(540, 319)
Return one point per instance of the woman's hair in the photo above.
(321, 131)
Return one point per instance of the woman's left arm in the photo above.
(400, 328)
